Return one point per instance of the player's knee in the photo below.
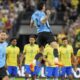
(26, 75)
(70, 77)
(6, 78)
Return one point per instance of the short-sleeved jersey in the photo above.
(48, 51)
(30, 52)
(12, 55)
(37, 18)
(78, 53)
(65, 55)
(5, 43)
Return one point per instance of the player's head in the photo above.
(3, 36)
(31, 39)
(13, 41)
(65, 41)
(41, 6)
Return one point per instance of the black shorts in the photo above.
(45, 38)
(3, 72)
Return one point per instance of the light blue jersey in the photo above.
(5, 43)
(37, 17)
(2, 55)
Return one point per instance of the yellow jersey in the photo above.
(30, 52)
(77, 31)
(48, 51)
(12, 54)
(78, 53)
(65, 55)
(74, 2)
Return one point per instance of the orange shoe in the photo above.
(32, 67)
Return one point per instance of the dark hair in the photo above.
(40, 5)
(32, 36)
(13, 39)
(65, 38)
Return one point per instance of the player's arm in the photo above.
(7, 51)
(45, 18)
(78, 56)
(57, 59)
(74, 60)
(31, 23)
(21, 58)
(55, 52)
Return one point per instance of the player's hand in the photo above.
(50, 64)
(48, 12)
(59, 64)
(19, 67)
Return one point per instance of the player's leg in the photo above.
(5, 78)
(37, 72)
(48, 72)
(3, 74)
(62, 73)
(33, 74)
(53, 43)
(42, 41)
(9, 68)
(69, 73)
(55, 73)
(15, 71)
(27, 72)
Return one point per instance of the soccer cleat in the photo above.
(32, 67)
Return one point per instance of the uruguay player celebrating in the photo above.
(40, 20)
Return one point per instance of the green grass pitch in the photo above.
(39, 79)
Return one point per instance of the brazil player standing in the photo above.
(29, 52)
(40, 20)
(3, 74)
(51, 69)
(66, 52)
(12, 53)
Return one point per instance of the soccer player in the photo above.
(12, 53)
(4, 38)
(51, 69)
(40, 20)
(29, 52)
(3, 74)
(66, 52)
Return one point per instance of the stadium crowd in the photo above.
(9, 12)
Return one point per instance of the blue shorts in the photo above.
(38, 70)
(28, 71)
(12, 70)
(66, 70)
(52, 71)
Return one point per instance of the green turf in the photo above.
(39, 79)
